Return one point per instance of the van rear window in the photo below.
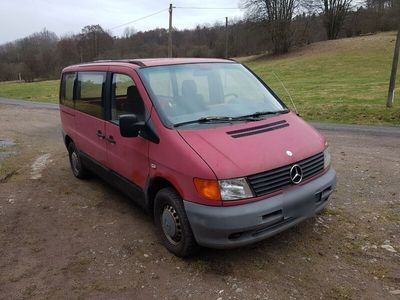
(67, 89)
(90, 92)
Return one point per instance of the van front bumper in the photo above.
(233, 226)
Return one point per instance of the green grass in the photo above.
(43, 91)
(343, 81)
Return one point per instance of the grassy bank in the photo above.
(343, 81)
(43, 91)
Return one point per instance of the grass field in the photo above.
(43, 91)
(343, 81)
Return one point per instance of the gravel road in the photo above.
(65, 238)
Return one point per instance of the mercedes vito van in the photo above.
(204, 145)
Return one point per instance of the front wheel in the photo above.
(172, 223)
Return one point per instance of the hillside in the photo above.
(344, 80)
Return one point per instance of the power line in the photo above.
(165, 9)
(192, 7)
(139, 19)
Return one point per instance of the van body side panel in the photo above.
(128, 156)
(67, 115)
(86, 136)
(124, 185)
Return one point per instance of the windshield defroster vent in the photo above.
(258, 129)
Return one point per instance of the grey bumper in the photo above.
(233, 226)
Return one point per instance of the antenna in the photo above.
(290, 97)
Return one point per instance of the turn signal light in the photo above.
(208, 189)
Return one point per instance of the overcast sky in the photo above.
(20, 18)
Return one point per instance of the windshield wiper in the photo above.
(209, 119)
(224, 119)
(259, 114)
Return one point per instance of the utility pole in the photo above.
(170, 31)
(226, 37)
(390, 98)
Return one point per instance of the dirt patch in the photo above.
(39, 165)
(66, 238)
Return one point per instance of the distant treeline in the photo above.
(42, 55)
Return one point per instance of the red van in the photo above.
(202, 144)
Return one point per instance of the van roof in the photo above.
(148, 62)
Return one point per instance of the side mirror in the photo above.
(129, 126)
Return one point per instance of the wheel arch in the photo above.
(67, 140)
(154, 185)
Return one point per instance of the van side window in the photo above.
(67, 89)
(90, 92)
(125, 98)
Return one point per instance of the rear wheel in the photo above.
(173, 224)
(77, 167)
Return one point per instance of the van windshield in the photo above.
(191, 93)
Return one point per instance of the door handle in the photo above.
(111, 140)
(100, 134)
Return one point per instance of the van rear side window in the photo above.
(90, 93)
(67, 89)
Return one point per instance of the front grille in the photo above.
(276, 179)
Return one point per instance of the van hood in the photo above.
(249, 148)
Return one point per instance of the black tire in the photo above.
(172, 223)
(77, 167)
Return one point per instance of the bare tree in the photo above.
(129, 32)
(93, 41)
(67, 50)
(278, 15)
(378, 8)
(335, 12)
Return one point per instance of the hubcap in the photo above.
(171, 224)
(75, 163)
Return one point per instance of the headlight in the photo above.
(327, 158)
(234, 189)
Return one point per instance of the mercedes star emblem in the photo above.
(296, 174)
